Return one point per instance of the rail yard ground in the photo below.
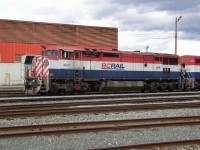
(115, 121)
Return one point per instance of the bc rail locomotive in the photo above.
(67, 70)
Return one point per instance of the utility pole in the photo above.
(147, 48)
(176, 28)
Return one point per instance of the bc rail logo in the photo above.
(114, 66)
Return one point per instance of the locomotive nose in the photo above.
(40, 67)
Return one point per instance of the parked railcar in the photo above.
(66, 70)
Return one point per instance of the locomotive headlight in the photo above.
(33, 81)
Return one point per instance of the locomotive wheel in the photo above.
(59, 88)
(69, 88)
(152, 87)
(159, 88)
(171, 86)
(54, 88)
(95, 86)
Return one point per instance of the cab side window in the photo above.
(67, 55)
(76, 55)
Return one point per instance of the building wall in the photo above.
(12, 52)
(12, 31)
(11, 74)
(24, 37)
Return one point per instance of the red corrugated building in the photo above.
(24, 37)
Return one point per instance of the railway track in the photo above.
(67, 103)
(88, 107)
(16, 91)
(93, 96)
(158, 145)
(26, 107)
(8, 91)
(96, 126)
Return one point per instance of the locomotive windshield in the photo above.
(47, 52)
(55, 53)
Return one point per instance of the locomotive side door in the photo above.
(77, 66)
(166, 68)
(170, 66)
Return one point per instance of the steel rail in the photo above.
(93, 126)
(89, 103)
(75, 110)
(154, 145)
(92, 96)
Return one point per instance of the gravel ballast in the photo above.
(99, 116)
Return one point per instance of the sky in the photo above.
(145, 25)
